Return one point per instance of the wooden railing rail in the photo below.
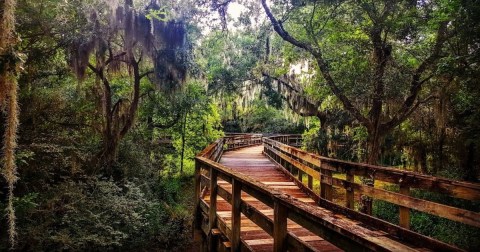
(238, 140)
(285, 207)
(319, 168)
(294, 140)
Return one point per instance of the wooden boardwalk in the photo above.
(251, 162)
(251, 196)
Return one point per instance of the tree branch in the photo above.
(416, 84)
(146, 73)
(284, 34)
(115, 57)
(322, 64)
(308, 108)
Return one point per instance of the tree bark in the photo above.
(374, 141)
(116, 121)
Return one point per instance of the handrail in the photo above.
(239, 140)
(321, 168)
(207, 172)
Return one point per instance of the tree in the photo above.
(9, 69)
(384, 36)
(123, 41)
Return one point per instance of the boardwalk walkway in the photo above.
(256, 193)
(251, 162)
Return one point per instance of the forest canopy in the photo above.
(105, 104)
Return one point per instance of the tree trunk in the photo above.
(423, 160)
(109, 152)
(183, 141)
(373, 153)
(323, 135)
(373, 148)
(116, 121)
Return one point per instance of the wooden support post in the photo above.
(326, 184)
(197, 183)
(279, 227)
(404, 211)
(350, 195)
(198, 190)
(300, 175)
(236, 214)
(212, 215)
(310, 181)
(367, 201)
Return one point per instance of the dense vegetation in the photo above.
(115, 98)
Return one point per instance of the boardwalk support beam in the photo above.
(279, 227)
(236, 214)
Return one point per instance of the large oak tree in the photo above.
(122, 42)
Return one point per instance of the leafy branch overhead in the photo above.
(377, 22)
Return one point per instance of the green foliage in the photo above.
(103, 215)
(229, 61)
(460, 235)
(262, 118)
(191, 116)
(386, 211)
(63, 202)
(161, 15)
(314, 139)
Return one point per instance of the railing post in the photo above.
(326, 184)
(279, 227)
(197, 182)
(404, 211)
(212, 215)
(310, 181)
(236, 214)
(300, 175)
(350, 200)
(198, 174)
(367, 201)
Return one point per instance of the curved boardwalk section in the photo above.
(252, 163)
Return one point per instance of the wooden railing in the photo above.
(208, 172)
(294, 140)
(238, 140)
(315, 167)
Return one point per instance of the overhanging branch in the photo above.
(409, 103)
(322, 64)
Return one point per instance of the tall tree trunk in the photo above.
(374, 141)
(117, 120)
(373, 147)
(323, 135)
(9, 104)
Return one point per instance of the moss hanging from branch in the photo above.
(164, 41)
(9, 67)
(126, 40)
